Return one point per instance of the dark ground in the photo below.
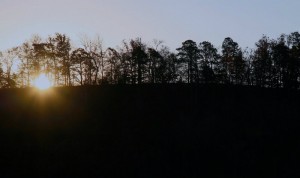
(150, 131)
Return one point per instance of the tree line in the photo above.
(273, 63)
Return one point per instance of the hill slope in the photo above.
(150, 131)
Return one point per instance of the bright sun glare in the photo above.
(42, 82)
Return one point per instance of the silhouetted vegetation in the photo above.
(273, 63)
(197, 111)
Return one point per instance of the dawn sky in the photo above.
(172, 21)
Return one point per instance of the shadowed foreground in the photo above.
(150, 131)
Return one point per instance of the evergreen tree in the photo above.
(188, 54)
(209, 63)
(232, 61)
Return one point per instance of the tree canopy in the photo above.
(272, 63)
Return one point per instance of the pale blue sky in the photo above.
(172, 21)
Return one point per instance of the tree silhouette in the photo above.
(209, 62)
(26, 70)
(262, 63)
(188, 55)
(62, 52)
(272, 63)
(113, 68)
(156, 65)
(78, 57)
(282, 65)
(232, 61)
(166, 69)
(139, 57)
(97, 58)
(294, 64)
(8, 58)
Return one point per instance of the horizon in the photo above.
(171, 22)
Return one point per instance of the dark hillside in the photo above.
(150, 131)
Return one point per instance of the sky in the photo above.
(172, 21)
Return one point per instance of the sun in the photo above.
(42, 82)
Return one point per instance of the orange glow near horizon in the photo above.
(42, 82)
